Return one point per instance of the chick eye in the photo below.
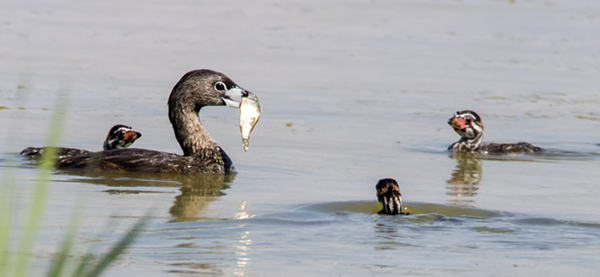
(468, 120)
(220, 86)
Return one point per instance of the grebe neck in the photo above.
(192, 137)
(466, 144)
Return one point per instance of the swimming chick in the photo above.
(388, 193)
(119, 136)
(468, 125)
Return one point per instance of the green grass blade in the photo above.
(125, 242)
(83, 264)
(8, 181)
(6, 196)
(57, 265)
(40, 190)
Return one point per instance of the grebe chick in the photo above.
(468, 125)
(388, 193)
(119, 136)
(201, 154)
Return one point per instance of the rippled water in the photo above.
(351, 92)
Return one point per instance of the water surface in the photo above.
(352, 92)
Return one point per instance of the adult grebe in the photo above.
(201, 154)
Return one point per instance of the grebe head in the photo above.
(467, 124)
(199, 88)
(388, 193)
(120, 136)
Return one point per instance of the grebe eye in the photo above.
(220, 86)
(468, 120)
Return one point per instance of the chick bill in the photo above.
(249, 115)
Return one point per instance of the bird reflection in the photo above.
(196, 194)
(466, 176)
(197, 191)
(388, 236)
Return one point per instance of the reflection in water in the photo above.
(194, 267)
(241, 253)
(388, 236)
(197, 191)
(466, 176)
(242, 214)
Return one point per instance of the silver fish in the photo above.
(249, 115)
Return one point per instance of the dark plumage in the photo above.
(469, 126)
(201, 154)
(388, 193)
(119, 136)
